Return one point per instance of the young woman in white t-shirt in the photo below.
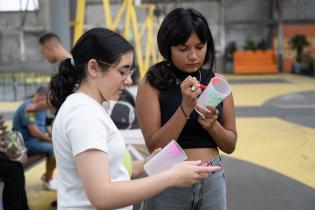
(88, 146)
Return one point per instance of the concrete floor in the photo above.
(273, 166)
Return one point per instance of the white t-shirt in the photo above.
(82, 124)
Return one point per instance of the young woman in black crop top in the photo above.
(165, 104)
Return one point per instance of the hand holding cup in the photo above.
(187, 173)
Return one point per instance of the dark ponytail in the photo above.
(159, 75)
(63, 83)
(100, 44)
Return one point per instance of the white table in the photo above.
(133, 136)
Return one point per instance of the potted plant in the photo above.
(307, 63)
(298, 42)
(250, 45)
(262, 45)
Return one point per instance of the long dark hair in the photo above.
(100, 44)
(176, 29)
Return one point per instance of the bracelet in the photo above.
(181, 107)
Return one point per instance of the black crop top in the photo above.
(192, 135)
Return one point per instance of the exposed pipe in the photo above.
(279, 6)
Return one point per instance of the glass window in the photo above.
(18, 5)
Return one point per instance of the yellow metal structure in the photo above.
(143, 39)
(79, 20)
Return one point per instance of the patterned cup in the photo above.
(215, 92)
(168, 157)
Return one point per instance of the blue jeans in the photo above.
(35, 146)
(209, 194)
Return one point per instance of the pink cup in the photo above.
(168, 157)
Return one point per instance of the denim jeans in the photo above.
(35, 146)
(209, 194)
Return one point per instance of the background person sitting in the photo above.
(37, 137)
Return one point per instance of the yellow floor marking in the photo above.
(284, 76)
(38, 197)
(278, 145)
(257, 95)
(9, 106)
(251, 94)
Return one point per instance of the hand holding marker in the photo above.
(202, 87)
(214, 93)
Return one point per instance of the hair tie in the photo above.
(72, 62)
(76, 86)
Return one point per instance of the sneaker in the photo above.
(51, 185)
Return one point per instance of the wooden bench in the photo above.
(33, 160)
(255, 62)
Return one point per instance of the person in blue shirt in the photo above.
(36, 134)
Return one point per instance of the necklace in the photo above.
(178, 81)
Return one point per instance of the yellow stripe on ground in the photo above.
(251, 94)
(38, 197)
(9, 106)
(284, 76)
(257, 95)
(284, 147)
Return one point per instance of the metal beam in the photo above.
(251, 22)
(222, 27)
(267, 22)
(79, 21)
(60, 20)
(99, 2)
(280, 35)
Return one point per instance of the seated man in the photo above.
(33, 127)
